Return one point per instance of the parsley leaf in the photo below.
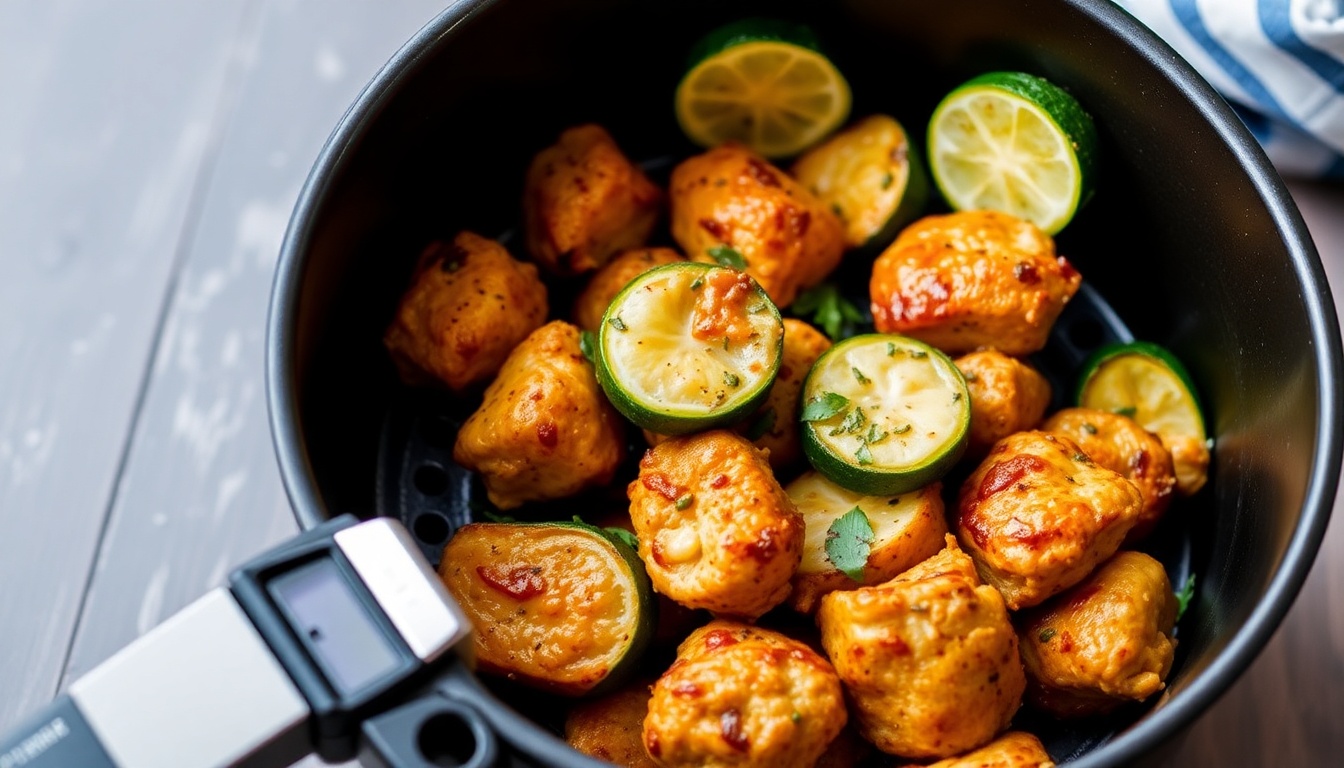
(859, 377)
(763, 423)
(1046, 634)
(824, 407)
(863, 455)
(625, 537)
(1126, 410)
(588, 346)
(833, 313)
(727, 256)
(1184, 597)
(854, 421)
(847, 543)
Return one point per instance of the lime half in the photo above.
(1016, 143)
(762, 83)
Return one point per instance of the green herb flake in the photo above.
(763, 423)
(727, 256)
(901, 430)
(697, 284)
(863, 455)
(796, 716)
(617, 323)
(835, 208)
(918, 354)
(625, 537)
(725, 343)
(891, 349)
(683, 501)
(1046, 634)
(493, 516)
(887, 180)
(854, 421)
(825, 407)
(847, 543)
(1127, 410)
(758, 308)
(1089, 428)
(588, 345)
(1184, 597)
(829, 310)
(731, 379)
(874, 437)
(956, 397)
(859, 377)
(1081, 458)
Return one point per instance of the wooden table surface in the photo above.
(150, 154)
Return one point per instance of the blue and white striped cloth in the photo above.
(1280, 63)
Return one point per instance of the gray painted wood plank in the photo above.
(201, 491)
(106, 111)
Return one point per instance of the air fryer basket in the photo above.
(1192, 240)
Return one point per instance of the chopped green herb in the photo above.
(891, 349)
(619, 324)
(727, 256)
(683, 501)
(1184, 597)
(1089, 428)
(491, 515)
(835, 208)
(887, 180)
(859, 377)
(731, 379)
(625, 537)
(854, 421)
(824, 407)
(918, 354)
(758, 308)
(697, 283)
(956, 397)
(863, 455)
(796, 716)
(1046, 634)
(874, 437)
(829, 310)
(1126, 410)
(901, 430)
(725, 343)
(588, 345)
(1081, 458)
(763, 423)
(847, 543)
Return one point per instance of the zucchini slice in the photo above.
(884, 414)
(906, 529)
(872, 178)
(565, 607)
(688, 347)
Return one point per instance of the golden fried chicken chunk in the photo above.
(544, 430)
(1119, 444)
(1007, 396)
(1104, 642)
(1038, 515)
(611, 727)
(468, 306)
(1015, 749)
(716, 530)
(608, 281)
(584, 201)
(929, 659)
(1190, 456)
(972, 279)
(742, 696)
(730, 196)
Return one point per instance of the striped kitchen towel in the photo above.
(1280, 63)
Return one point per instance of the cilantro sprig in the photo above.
(727, 256)
(828, 310)
(1184, 597)
(848, 542)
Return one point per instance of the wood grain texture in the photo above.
(102, 136)
(1288, 708)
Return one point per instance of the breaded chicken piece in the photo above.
(468, 306)
(1007, 396)
(608, 281)
(1038, 515)
(1190, 456)
(1015, 749)
(544, 430)
(972, 279)
(1104, 642)
(611, 727)
(730, 196)
(929, 659)
(742, 696)
(1119, 444)
(584, 201)
(716, 531)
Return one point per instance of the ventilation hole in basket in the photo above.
(431, 480)
(1086, 334)
(431, 529)
(447, 739)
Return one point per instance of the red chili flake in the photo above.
(1026, 273)
(715, 229)
(761, 172)
(686, 688)
(763, 549)
(730, 728)
(548, 434)
(1140, 463)
(661, 485)
(719, 482)
(719, 638)
(521, 582)
(1066, 269)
